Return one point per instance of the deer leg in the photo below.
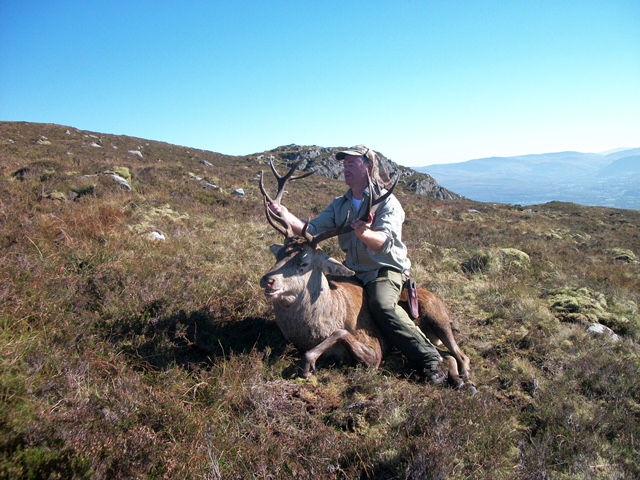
(362, 353)
(443, 337)
(462, 361)
(441, 333)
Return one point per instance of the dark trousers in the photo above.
(383, 294)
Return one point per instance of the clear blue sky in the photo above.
(423, 82)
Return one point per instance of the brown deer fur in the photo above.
(322, 312)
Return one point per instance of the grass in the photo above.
(127, 357)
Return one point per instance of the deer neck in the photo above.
(314, 297)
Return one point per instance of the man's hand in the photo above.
(372, 239)
(278, 209)
(360, 226)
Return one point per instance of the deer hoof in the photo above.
(455, 383)
(472, 389)
(307, 371)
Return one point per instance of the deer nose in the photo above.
(266, 281)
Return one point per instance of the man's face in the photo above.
(355, 171)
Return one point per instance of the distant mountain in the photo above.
(608, 180)
(624, 166)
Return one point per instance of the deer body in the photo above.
(312, 311)
(330, 317)
(308, 322)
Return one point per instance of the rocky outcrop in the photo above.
(322, 160)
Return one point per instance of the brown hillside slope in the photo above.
(123, 356)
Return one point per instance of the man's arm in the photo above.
(373, 239)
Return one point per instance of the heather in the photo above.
(128, 356)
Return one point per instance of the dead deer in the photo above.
(323, 312)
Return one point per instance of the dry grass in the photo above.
(125, 357)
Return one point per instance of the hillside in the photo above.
(136, 341)
(587, 179)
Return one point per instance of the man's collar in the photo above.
(349, 193)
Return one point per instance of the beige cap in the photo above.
(356, 151)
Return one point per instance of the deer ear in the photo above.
(275, 249)
(331, 266)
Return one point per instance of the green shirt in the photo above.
(388, 219)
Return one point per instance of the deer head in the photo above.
(299, 257)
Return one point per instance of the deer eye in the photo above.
(303, 262)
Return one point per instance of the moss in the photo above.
(622, 255)
(582, 305)
(578, 305)
(56, 195)
(494, 260)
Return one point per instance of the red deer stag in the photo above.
(321, 311)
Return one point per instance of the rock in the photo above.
(136, 152)
(121, 181)
(239, 191)
(322, 161)
(123, 172)
(599, 329)
(429, 187)
(157, 236)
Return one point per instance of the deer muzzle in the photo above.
(270, 285)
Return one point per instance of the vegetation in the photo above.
(128, 357)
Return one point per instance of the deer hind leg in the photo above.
(369, 355)
(444, 336)
(450, 364)
(436, 324)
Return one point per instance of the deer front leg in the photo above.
(370, 356)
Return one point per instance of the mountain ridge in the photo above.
(61, 140)
(588, 179)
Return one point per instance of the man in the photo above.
(374, 250)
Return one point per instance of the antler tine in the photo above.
(283, 179)
(378, 199)
(265, 195)
(339, 230)
(277, 222)
(307, 235)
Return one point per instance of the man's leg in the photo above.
(382, 297)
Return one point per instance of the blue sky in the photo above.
(423, 82)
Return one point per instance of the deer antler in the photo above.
(284, 227)
(282, 180)
(276, 221)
